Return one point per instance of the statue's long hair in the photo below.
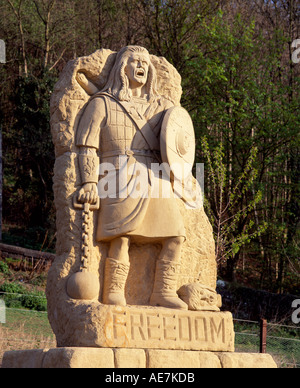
(118, 83)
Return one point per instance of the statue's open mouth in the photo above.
(140, 73)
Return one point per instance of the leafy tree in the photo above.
(226, 206)
(240, 97)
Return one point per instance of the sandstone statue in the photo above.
(118, 242)
(107, 127)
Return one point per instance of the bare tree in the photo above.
(44, 10)
(17, 10)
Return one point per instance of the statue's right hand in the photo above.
(88, 193)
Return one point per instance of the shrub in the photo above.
(34, 302)
(13, 288)
(12, 298)
(4, 268)
(18, 297)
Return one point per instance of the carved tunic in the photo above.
(121, 144)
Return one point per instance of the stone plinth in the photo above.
(147, 327)
(132, 358)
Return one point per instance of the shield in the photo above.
(177, 142)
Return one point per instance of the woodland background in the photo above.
(240, 86)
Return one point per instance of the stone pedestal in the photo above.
(143, 337)
(148, 327)
(132, 358)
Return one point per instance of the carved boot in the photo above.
(165, 283)
(115, 277)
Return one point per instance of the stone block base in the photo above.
(132, 358)
(145, 327)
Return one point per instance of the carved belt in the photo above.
(147, 153)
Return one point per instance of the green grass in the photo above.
(32, 322)
(25, 329)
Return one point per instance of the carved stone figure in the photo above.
(117, 110)
(200, 297)
(109, 127)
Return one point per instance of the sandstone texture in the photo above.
(198, 263)
(133, 358)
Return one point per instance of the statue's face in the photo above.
(137, 69)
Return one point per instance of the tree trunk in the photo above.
(22, 37)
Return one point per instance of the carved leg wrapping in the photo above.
(165, 284)
(115, 277)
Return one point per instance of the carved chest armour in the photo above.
(119, 131)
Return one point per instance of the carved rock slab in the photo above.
(147, 327)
